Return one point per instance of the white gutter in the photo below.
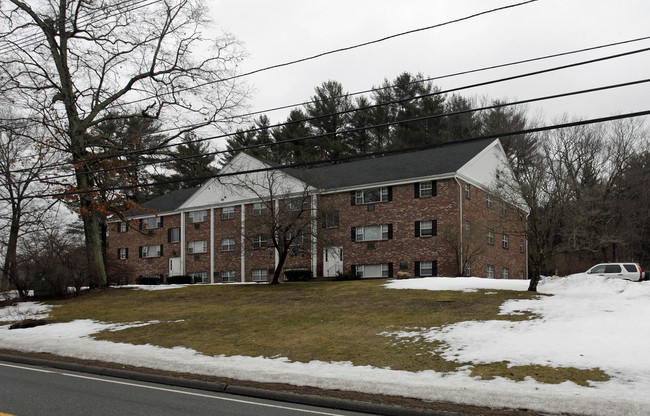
(460, 222)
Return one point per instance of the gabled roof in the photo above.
(440, 160)
(165, 203)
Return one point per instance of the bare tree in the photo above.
(466, 244)
(23, 170)
(79, 64)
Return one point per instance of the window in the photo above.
(297, 204)
(426, 268)
(504, 241)
(372, 232)
(151, 251)
(122, 253)
(468, 269)
(504, 208)
(301, 240)
(373, 270)
(468, 191)
(505, 274)
(521, 274)
(198, 216)
(259, 275)
(174, 235)
(200, 277)
(227, 213)
(228, 276)
(370, 196)
(489, 201)
(426, 228)
(490, 237)
(521, 246)
(490, 272)
(259, 208)
(227, 244)
(151, 223)
(426, 189)
(122, 227)
(197, 247)
(468, 228)
(259, 241)
(331, 219)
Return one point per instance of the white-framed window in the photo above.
(373, 270)
(259, 275)
(490, 272)
(259, 208)
(427, 189)
(505, 273)
(370, 196)
(521, 274)
(227, 244)
(468, 191)
(198, 216)
(521, 246)
(468, 268)
(297, 204)
(504, 208)
(468, 228)
(228, 276)
(151, 251)
(426, 268)
(301, 240)
(259, 241)
(489, 201)
(122, 253)
(123, 227)
(199, 277)
(174, 235)
(194, 247)
(426, 228)
(490, 237)
(505, 241)
(373, 232)
(151, 223)
(227, 213)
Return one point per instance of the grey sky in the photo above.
(275, 32)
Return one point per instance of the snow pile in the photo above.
(587, 322)
(23, 311)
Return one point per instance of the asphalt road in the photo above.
(27, 390)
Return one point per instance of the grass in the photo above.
(327, 321)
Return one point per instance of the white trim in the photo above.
(408, 181)
(211, 245)
(242, 269)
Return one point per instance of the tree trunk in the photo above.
(94, 249)
(278, 268)
(10, 268)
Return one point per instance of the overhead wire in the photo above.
(435, 93)
(358, 156)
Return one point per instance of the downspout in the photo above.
(460, 223)
(526, 246)
(182, 243)
(211, 245)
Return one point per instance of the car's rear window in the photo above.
(612, 268)
(630, 268)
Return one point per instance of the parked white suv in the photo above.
(629, 271)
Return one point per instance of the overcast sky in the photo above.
(275, 32)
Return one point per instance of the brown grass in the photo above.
(327, 321)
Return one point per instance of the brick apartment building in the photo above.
(433, 212)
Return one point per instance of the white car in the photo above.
(628, 271)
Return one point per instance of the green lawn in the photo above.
(327, 321)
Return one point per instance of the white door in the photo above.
(175, 268)
(332, 261)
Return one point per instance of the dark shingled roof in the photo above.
(166, 203)
(440, 160)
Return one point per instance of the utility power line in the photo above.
(359, 156)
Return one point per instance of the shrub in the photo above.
(148, 280)
(180, 280)
(347, 276)
(297, 275)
